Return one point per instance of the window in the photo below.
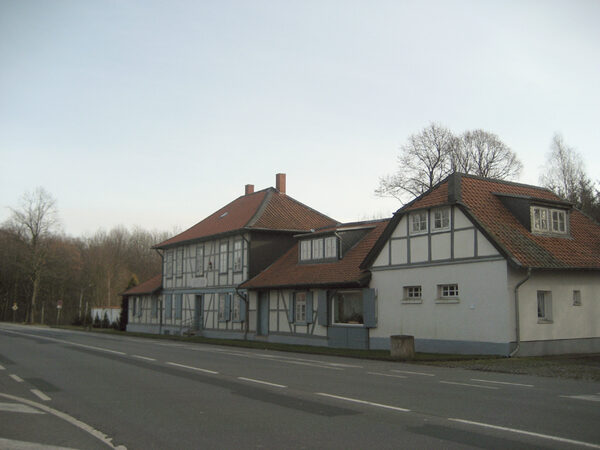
(305, 247)
(300, 306)
(224, 307)
(169, 264)
(418, 222)
(546, 220)
(179, 262)
(154, 307)
(168, 306)
(441, 219)
(576, 298)
(544, 306)
(223, 260)
(133, 306)
(140, 303)
(412, 294)
(331, 247)
(237, 256)
(448, 293)
(199, 260)
(317, 249)
(236, 311)
(178, 306)
(347, 307)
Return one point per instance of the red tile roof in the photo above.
(480, 199)
(346, 272)
(147, 287)
(268, 209)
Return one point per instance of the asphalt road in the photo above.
(84, 390)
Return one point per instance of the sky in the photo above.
(157, 113)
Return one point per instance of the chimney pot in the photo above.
(280, 182)
(249, 189)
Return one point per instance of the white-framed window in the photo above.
(154, 307)
(317, 249)
(441, 219)
(347, 307)
(179, 262)
(223, 259)
(224, 307)
(412, 294)
(331, 247)
(448, 293)
(236, 311)
(169, 264)
(140, 308)
(305, 250)
(199, 260)
(418, 221)
(576, 298)
(544, 306)
(237, 255)
(133, 306)
(300, 307)
(547, 220)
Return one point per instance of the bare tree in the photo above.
(483, 154)
(423, 162)
(34, 221)
(564, 173)
(431, 155)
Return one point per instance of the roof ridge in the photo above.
(508, 182)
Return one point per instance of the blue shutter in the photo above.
(309, 307)
(291, 308)
(322, 316)
(369, 318)
(168, 306)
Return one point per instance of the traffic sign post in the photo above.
(59, 305)
(14, 309)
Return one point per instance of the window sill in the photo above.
(348, 325)
(447, 300)
(412, 301)
(545, 321)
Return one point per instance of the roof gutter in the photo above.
(517, 324)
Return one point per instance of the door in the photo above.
(198, 312)
(262, 326)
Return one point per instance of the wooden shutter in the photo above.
(309, 307)
(322, 305)
(369, 316)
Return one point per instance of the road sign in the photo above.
(15, 306)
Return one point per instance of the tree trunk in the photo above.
(36, 284)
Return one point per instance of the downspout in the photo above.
(245, 297)
(160, 304)
(517, 325)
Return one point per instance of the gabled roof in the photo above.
(150, 286)
(481, 199)
(268, 209)
(287, 271)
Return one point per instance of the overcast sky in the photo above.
(157, 113)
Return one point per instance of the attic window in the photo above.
(548, 220)
(224, 214)
(319, 249)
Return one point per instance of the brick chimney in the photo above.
(280, 182)
(249, 189)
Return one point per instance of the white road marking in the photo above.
(17, 378)
(468, 384)
(145, 358)
(69, 343)
(386, 375)
(502, 382)
(193, 368)
(41, 395)
(363, 402)
(2, 367)
(24, 445)
(72, 420)
(19, 408)
(528, 433)
(590, 398)
(281, 359)
(252, 380)
(414, 373)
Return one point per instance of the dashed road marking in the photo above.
(252, 380)
(469, 384)
(2, 367)
(527, 433)
(413, 373)
(18, 408)
(17, 378)
(198, 369)
(502, 382)
(589, 398)
(145, 358)
(386, 375)
(363, 402)
(41, 395)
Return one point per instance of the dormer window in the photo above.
(318, 249)
(548, 220)
(418, 221)
(441, 219)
